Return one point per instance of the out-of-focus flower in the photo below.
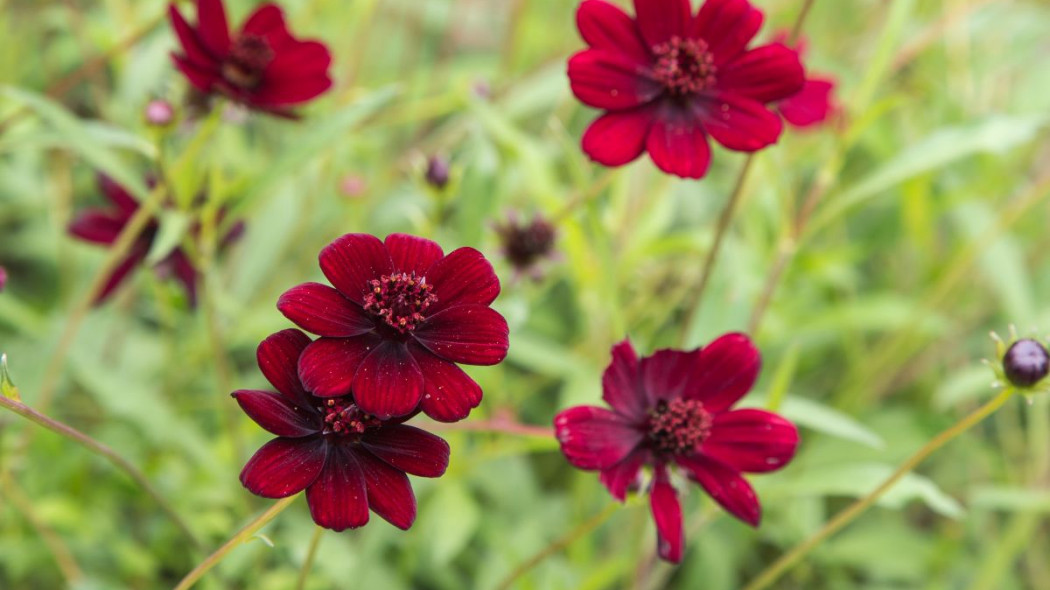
(526, 244)
(159, 113)
(668, 79)
(3, 278)
(439, 171)
(400, 317)
(261, 66)
(815, 102)
(1026, 363)
(674, 408)
(347, 460)
(353, 185)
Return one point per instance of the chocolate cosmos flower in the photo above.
(674, 409)
(399, 318)
(812, 105)
(668, 80)
(262, 66)
(347, 461)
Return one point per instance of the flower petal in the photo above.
(449, 394)
(299, 60)
(742, 124)
(409, 449)
(117, 195)
(277, 413)
(328, 365)
(605, 26)
(469, 334)
(725, 486)
(412, 254)
(97, 226)
(280, 92)
(727, 26)
(667, 513)
(677, 144)
(666, 374)
(324, 311)
(278, 358)
(186, 274)
(464, 276)
(353, 260)
(388, 383)
(595, 438)
(200, 78)
(725, 371)
(265, 21)
(618, 137)
(338, 498)
(121, 272)
(752, 441)
(389, 491)
(195, 51)
(659, 20)
(621, 477)
(621, 383)
(766, 74)
(284, 466)
(607, 80)
(212, 27)
(811, 106)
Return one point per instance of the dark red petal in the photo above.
(766, 74)
(265, 21)
(212, 27)
(195, 52)
(469, 334)
(678, 146)
(621, 383)
(667, 513)
(811, 106)
(618, 137)
(388, 382)
(278, 358)
(300, 60)
(752, 441)
(464, 276)
(666, 374)
(353, 260)
(725, 372)
(284, 466)
(186, 274)
(95, 225)
(121, 272)
(620, 477)
(277, 413)
(328, 365)
(324, 311)
(279, 92)
(725, 486)
(338, 498)
(595, 438)
(117, 195)
(409, 449)
(389, 492)
(659, 20)
(449, 394)
(607, 80)
(727, 26)
(202, 79)
(412, 254)
(606, 26)
(742, 124)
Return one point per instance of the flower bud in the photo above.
(526, 244)
(1026, 363)
(3, 278)
(159, 113)
(438, 172)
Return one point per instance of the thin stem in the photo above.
(796, 30)
(784, 255)
(241, 536)
(566, 540)
(103, 450)
(59, 551)
(308, 563)
(789, 559)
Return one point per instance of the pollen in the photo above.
(678, 426)
(400, 299)
(684, 66)
(344, 418)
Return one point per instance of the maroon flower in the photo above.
(668, 79)
(674, 408)
(347, 461)
(262, 66)
(400, 317)
(526, 244)
(815, 102)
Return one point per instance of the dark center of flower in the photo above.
(343, 418)
(678, 426)
(684, 66)
(249, 56)
(401, 299)
(526, 244)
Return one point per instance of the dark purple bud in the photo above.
(438, 172)
(1026, 363)
(525, 244)
(159, 113)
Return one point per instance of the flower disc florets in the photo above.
(400, 299)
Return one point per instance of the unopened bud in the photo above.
(438, 172)
(1026, 363)
(159, 113)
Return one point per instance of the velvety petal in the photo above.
(338, 498)
(388, 382)
(678, 146)
(97, 226)
(277, 92)
(607, 80)
(620, 477)
(464, 276)
(278, 358)
(300, 59)
(117, 195)
(328, 365)
(766, 74)
(122, 272)
(409, 449)
(621, 383)
(595, 438)
(811, 106)
(742, 124)
(266, 20)
(605, 26)
(469, 334)
(666, 374)
(725, 486)
(725, 372)
(353, 260)
(727, 26)
(389, 492)
(659, 20)
(412, 254)
(194, 50)
(449, 394)
(752, 441)
(186, 274)
(202, 79)
(618, 137)
(212, 27)
(324, 311)
(284, 466)
(667, 513)
(277, 413)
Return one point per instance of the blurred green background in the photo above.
(928, 229)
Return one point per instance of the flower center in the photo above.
(248, 57)
(343, 418)
(400, 299)
(678, 426)
(684, 66)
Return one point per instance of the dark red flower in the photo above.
(815, 102)
(668, 79)
(527, 244)
(400, 317)
(262, 66)
(347, 461)
(674, 409)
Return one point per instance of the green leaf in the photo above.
(827, 420)
(173, 227)
(1011, 499)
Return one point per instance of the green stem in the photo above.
(308, 563)
(789, 559)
